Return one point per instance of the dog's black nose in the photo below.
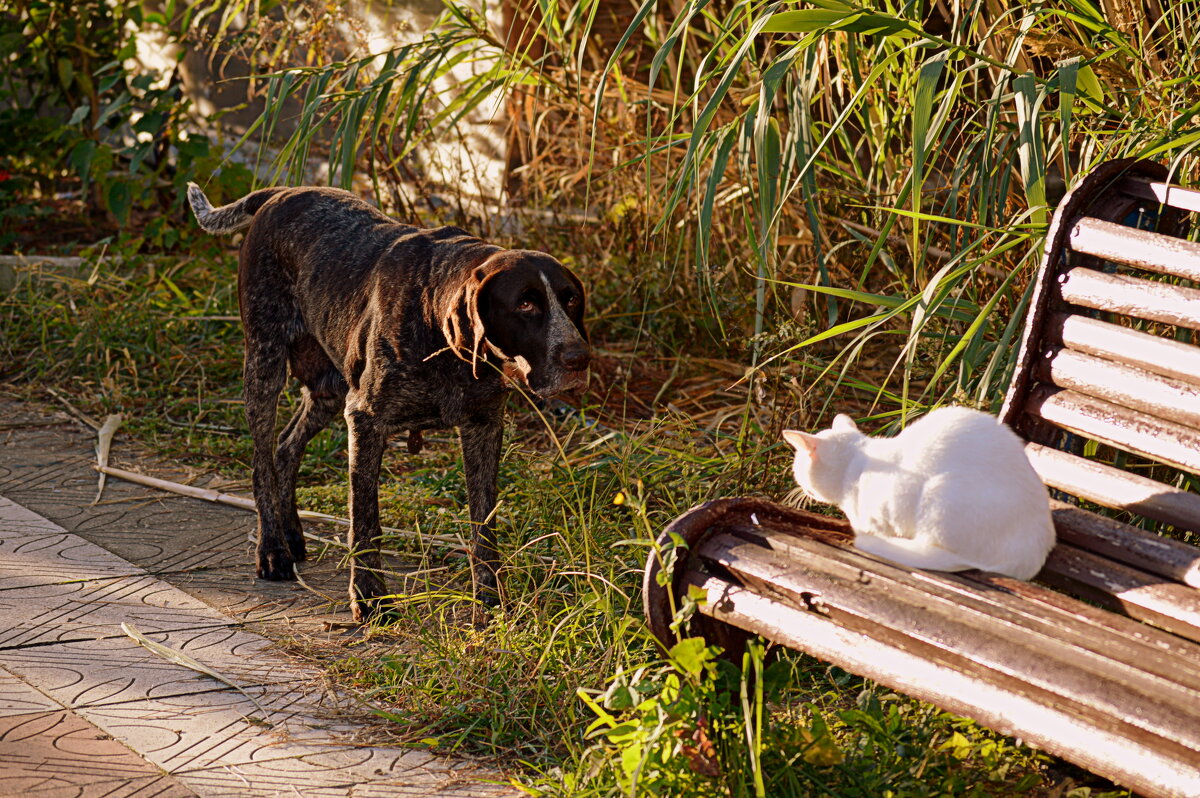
(575, 357)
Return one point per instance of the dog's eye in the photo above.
(572, 301)
(528, 303)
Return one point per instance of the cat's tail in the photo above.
(912, 553)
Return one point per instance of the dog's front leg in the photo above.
(481, 440)
(367, 443)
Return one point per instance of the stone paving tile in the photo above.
(117, 670)
(42, 470)
(239, 594)
(28, 558)
(66, 639)
(233, 784)
(18, 698)
(58, 753)
(223, 727)
(448, 788)
(367, 772)
(47, 471)
(57, 613)
(161, 786)
(22, 522)
(212, 539)
(212, 536)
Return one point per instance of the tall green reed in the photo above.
(938, 131)
(917, 148)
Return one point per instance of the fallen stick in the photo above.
(179, 658)
(245, 503)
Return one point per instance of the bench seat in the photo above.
(1098, 659)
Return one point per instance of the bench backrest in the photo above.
(1107, 384)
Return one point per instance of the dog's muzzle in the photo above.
(567, 372)
(572, 381)
(573, 360)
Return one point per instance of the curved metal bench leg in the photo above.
(663, 596)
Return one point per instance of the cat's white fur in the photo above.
(953, 491)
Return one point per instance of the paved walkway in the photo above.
(87, 711)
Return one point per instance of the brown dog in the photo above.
(402, 328)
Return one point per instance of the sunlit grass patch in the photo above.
(582, 497)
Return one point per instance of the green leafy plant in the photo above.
(74, 103)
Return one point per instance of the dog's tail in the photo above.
(227, 218)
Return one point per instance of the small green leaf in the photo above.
(119, 198)
(11, 43)
(690, 655)
(66, 73)
(848, 19)
(805, 21)
(81, 157)
(620, 696)
(1090, 83)
(114, 106)
(150, 122)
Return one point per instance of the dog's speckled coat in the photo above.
(402, 328)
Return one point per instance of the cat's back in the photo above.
(958, 438)
(972, 466)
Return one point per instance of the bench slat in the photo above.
(1139, 248)
(1096, 685)
(1114, 636)
(1052, 604)
(1126, 544)
(1140, 595)
(1165, 441)
(1101, 747)
(1121, 490)
(1164, 397)
(1130, 296)
(1187, 199)
(1112, 342)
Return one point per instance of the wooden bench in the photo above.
(1108, 367)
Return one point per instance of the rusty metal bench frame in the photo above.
(1114, 688)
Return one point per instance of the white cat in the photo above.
(953, 491)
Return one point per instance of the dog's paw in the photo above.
(367, 610)
(295, 541)
(487, 589)
(276, 565)
(366, 597)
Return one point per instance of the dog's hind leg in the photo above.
(481, 440)
(313, 416)
(264, 375)
(322, 396)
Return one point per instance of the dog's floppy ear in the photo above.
(460, 319)
(583, 299)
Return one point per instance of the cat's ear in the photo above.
(802, 442)
(843, 423)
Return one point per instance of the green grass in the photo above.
(565, 688)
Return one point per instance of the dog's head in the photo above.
(525, 309)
